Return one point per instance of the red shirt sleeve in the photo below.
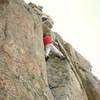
(47, 40)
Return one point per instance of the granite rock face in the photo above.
(72, 79)
(22, 64)
(24, 73)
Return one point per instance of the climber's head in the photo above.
(47, 21)
(44, 18)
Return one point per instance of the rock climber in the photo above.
(47, 24)
(48, 40)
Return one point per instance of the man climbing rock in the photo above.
(48, 40)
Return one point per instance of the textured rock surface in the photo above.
(23, 70)
(72, 79)
(22, 64)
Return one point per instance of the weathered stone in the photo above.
(22, 65)
(4, 2)
(24, 74)
(71, 79)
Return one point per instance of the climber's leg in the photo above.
(56, 51)
(47, 51)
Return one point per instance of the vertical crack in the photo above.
(5, 29)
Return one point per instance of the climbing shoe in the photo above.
(46, 58)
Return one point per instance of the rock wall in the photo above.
(24, 73)
(22, 64)
(72, 79)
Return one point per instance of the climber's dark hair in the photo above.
(44, 19)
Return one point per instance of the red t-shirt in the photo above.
(47, 40)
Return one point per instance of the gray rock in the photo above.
(24, 74)
(71, 79)
(22, 65)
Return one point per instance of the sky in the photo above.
(78, 22)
